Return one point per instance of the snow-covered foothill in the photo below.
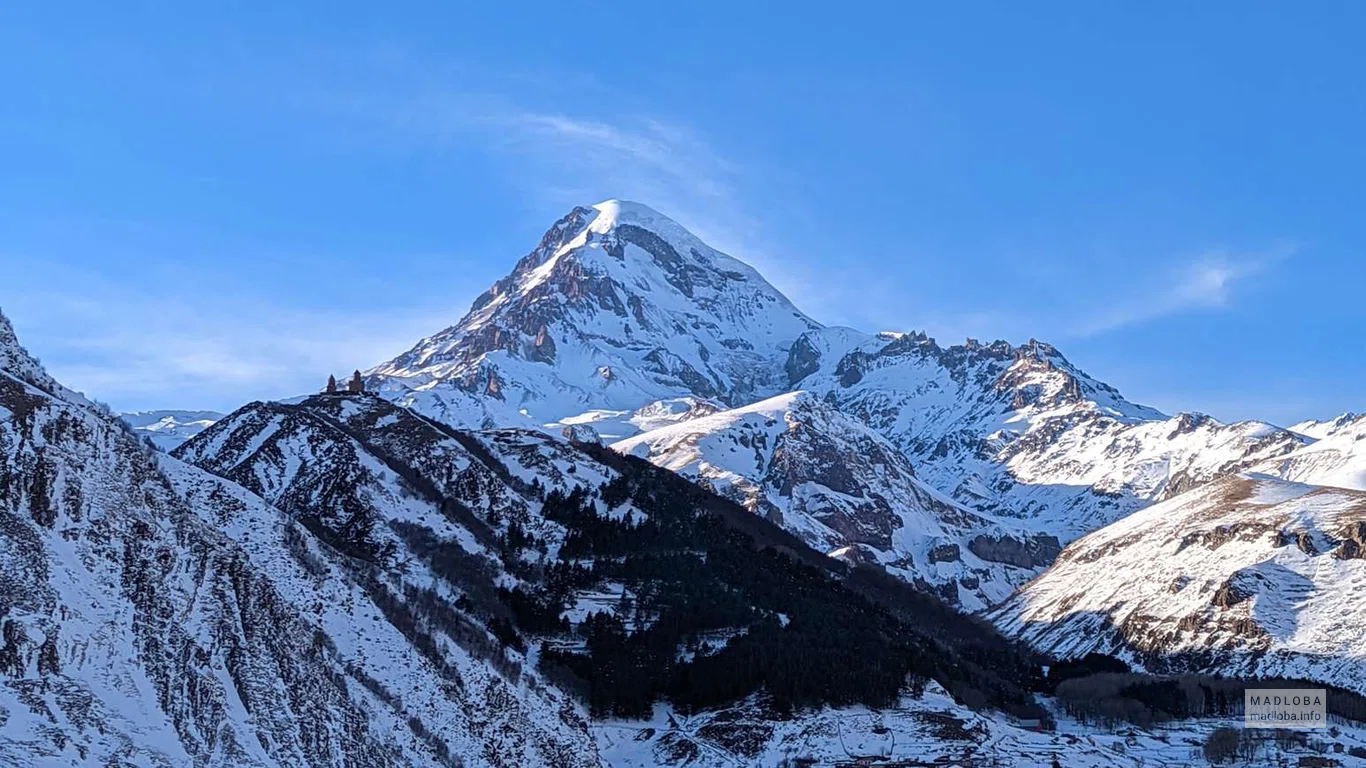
(1250, 575)
(847, 491)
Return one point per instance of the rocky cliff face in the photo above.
(18, 364)
(617, 307)
(373, 478)
(152, 613)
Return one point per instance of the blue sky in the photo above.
(202, 207)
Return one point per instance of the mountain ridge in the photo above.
(500, 586)
(1021, 432)
(610, 318)
(847, 491)
(151, 612)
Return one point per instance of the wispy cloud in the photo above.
(565, 159)
(1051, 305)
(1205, 283)
(138, 350)
(146, 345)
(656, 157)
(561, 142)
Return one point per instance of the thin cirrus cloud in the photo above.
(559, 158)
(653, 156)
(140, 351)
(1205, 284)
(1082, 308)
(564, 159)
(391, 98)
(555, 154)
(664, 164)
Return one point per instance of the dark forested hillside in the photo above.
(816, 631)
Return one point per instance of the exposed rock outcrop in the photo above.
(1033, 552)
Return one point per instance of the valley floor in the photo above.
(932, 730)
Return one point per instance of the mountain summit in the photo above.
(617, 307)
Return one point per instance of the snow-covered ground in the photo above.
(155, 614)
(933, 730)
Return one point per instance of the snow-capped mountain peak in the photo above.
(1319, 430)
(620, 316)
(1335, 455)
(169, 428)
(618, 306)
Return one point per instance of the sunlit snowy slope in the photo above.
(848, 491)
(1249, 575)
